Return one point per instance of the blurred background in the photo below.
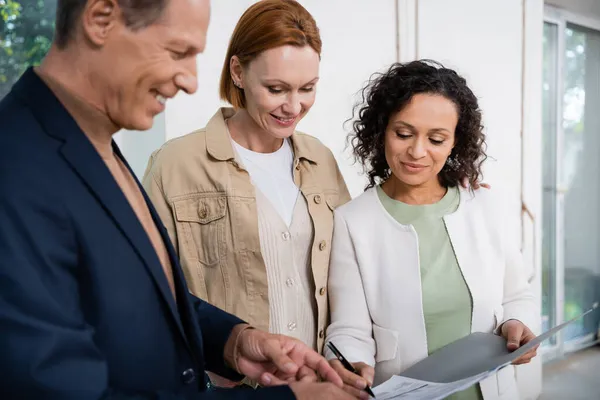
(535, 67)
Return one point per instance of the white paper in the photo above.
(400, 387)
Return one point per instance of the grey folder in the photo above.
(473, 355)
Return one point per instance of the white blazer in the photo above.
(375, 284)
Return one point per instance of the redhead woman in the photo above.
(248, 200)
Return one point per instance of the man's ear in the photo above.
(98, 18)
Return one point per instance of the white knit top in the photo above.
(286, 252)
(285, 242)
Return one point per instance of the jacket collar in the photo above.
(46, 108)
(219, 145)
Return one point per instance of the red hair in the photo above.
(266, 25)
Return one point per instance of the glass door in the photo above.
(579, 180)
(549, 172)
(571, 186)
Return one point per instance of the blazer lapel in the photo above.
(181, 288)
(86, 162)
(79, 152)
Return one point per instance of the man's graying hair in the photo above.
(137, 14)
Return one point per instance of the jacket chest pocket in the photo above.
(201, 228)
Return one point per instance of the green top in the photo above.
(447, 304)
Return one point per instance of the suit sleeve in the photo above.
(272, 393)
(216, 326)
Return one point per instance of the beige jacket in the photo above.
(208, 204)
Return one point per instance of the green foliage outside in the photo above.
(26, 28)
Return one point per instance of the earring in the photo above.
(452, 163)
(236, 83)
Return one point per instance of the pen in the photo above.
(348, 366)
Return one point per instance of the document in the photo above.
(400, 387)
(458, 365)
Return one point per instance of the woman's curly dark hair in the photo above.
(389, 92)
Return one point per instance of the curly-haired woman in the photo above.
(418, 262)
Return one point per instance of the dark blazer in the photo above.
(85, 308)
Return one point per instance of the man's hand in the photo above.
(355, 384)
(516, 335)
(318, 391)
(275, 359)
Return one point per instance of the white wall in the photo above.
(359, 38)
(463, 34)
(186, 113)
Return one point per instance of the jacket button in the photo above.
(322, 245)
(188, 376)
(318, 199)
(321, 334)
(203, 212)
(322, 291)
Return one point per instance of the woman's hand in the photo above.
(355, 384)
(516, 335)
(465, 184)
